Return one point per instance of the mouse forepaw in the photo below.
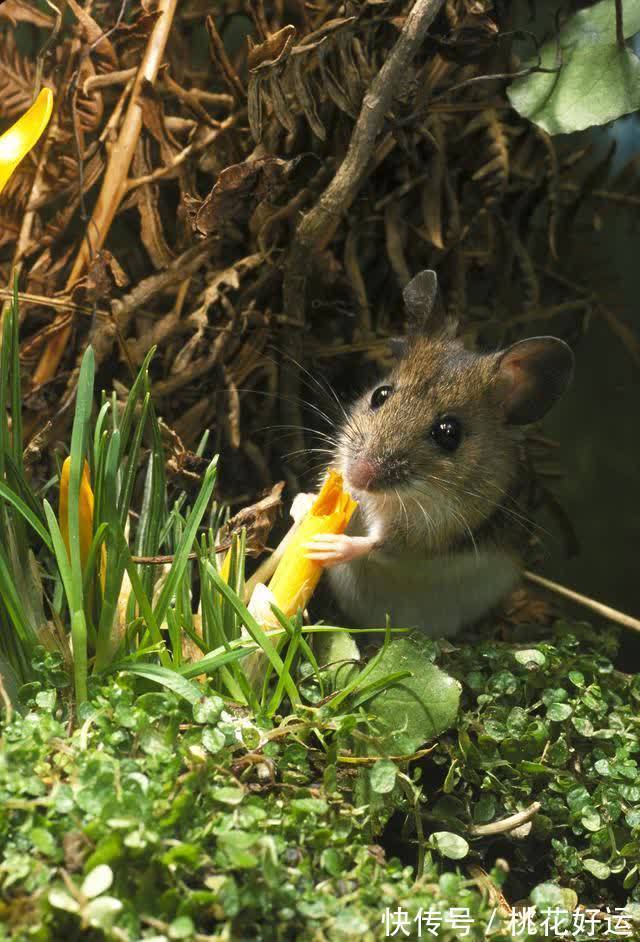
(334, 549)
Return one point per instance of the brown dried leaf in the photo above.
(17, 76)
(19, 11)
(255, 108)
(153, 117)
(95, 36)
(104, 271)
(146, 201)
(273, 51)
(318, 36)
(494, 173)
(333, 86)
(304, 93)
(279, 104)
(523, 607)
(134, 36)
(257, 520)
(10, 221)
(432, 191)
(237, 191)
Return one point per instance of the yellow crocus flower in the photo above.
(24, 134)
(296, 577)
(85, 512)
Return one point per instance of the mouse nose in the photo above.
(362, 473)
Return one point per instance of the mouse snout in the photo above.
(362, 473)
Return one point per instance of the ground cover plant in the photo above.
(217, 224)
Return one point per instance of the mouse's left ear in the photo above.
(532, 375)
(424, 306)
(420, 294)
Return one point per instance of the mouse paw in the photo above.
(333, 549)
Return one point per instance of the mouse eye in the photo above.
(380, 396)
(447, 432)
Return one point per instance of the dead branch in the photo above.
(115, 177)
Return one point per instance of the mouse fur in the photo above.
(434, 461)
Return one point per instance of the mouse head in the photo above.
(439, 435)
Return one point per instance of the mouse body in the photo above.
(433, 457)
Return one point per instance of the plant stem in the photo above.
(79, 639)
(606, 611)
(619, 25)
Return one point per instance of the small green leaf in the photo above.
(61, 900)
(227, 795)
(101, 912)
(591, 819)
(449, 844)
(383, 776)
(531, 657)
(97, 881)
(182, 928)
(208, 709)
(213, 740)
(600, 870)
(310, 805)
(559, 712)
(43, 841)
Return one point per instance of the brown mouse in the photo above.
(432, 456)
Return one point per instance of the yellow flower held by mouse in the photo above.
(24, 135)
(296, 577)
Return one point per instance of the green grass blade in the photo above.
(59, 549)
(84, 402)
(5, 380)
(219, 658)
(139, 387)
(255, 630)
(168, 678)
(292, 647)
(7, 494)
(131, 469)
(13, 604)
(181, 555)
(16, 394)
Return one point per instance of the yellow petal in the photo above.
(24, 134)
(225, 569)
(85, 511)
(296, 577)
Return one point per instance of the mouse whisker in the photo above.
(404, 509)
(325, 387)
(427, 518)
(527, 523)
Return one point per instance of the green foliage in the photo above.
(597, 81)
(109, 612)
(555, 723)
(172, 818)
(166, 825)
(417, 706)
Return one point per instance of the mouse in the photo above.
(433, 456)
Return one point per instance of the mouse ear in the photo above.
(424, 306)
(532, 375)
(419, 295)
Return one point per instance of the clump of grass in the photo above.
(100, 609)
(77, 582)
